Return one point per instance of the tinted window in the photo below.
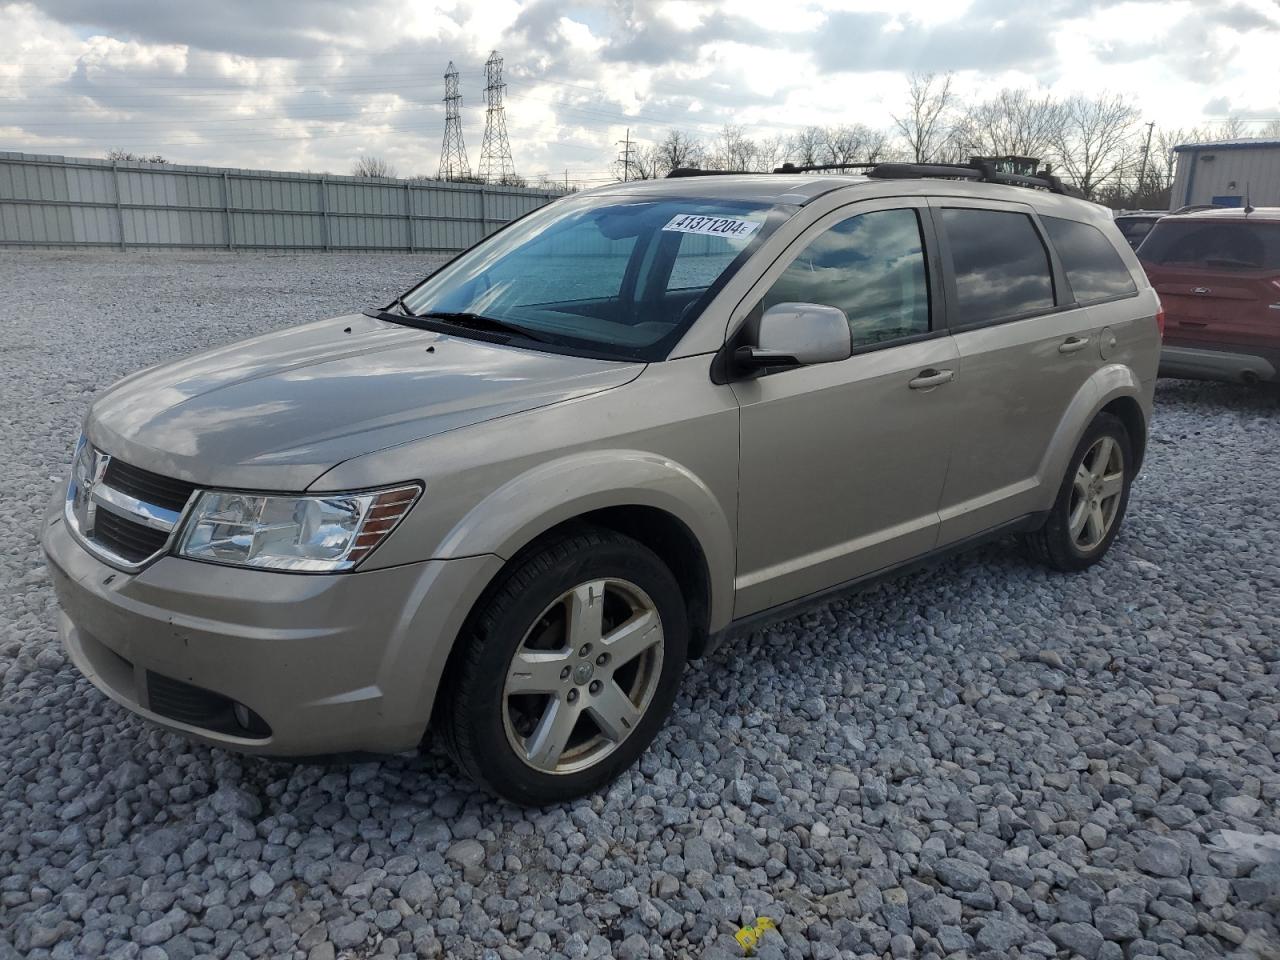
(1001, 266)
(1094, 269)
(1214, 245)
(870, 266)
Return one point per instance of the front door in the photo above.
(842, 464)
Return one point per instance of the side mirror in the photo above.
(797, 334)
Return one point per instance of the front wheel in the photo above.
(569, 669)
(1091, 503)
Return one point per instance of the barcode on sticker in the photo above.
(729, 227)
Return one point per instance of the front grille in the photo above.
(199, 707)
(126, 539)
(147, 486)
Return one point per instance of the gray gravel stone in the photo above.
(1162, 857)
(1117, 923)
(1077, 937)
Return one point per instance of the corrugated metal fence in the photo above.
(68, 201)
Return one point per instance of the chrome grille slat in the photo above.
(131, 508)
(124, 515)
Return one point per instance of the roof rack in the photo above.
(978, 170)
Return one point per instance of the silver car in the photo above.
(514, 503)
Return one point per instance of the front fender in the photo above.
(1106, 385)
(551, 493)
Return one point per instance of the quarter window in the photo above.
(1001, 267)
(1094, 269)
(872, 267)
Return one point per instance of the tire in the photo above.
(504, 719)
(1059, 544)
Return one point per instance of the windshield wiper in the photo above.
(478, 321)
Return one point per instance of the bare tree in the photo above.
(924, 124)
(854, 143)
(807, 147)
(1232, 128)
(770, 153)
(115, 153)
(733, 149)
(1014, 123)
(1270, 129)
(372, 166)
(1090, 145)
(679, 149)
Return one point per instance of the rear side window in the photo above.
(1094, 269)
(871, 266)
(1001, 267)
(1220, 245)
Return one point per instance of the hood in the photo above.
(277, 411)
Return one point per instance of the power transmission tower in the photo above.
(495, 153)
(626, 156)
(453, 153)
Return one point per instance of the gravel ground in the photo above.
(984, 758)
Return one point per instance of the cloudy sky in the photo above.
(308, 86)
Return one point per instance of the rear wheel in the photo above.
(1091, 503)
(570, 667)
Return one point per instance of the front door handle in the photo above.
(930, 378)
(1073, 344)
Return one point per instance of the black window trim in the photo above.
(1061, 290)
(1075, 301)
(721, 363)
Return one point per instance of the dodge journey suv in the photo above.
(513, 503)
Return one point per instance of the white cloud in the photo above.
(269, 83)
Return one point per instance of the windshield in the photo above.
(608, 274)
(1238, 245)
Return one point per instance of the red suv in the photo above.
(1218, 276)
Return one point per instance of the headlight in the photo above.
(319, 534)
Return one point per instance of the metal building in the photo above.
(1227, 173)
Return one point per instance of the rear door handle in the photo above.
(1073, 344)
(1193, 323)
(931, 378)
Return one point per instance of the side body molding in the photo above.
(551, 493)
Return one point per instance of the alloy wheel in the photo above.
(583, 676)
(1096, 494)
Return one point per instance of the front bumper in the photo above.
(327, 663)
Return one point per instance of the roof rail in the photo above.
(978, 170)
(811, 167)
(699, 172)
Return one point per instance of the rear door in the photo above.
(1026, 348)
(1219, 280)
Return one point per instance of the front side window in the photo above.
(1093, 268)
(871, 266)
(1213, 245)
(1001, 267)
(623, 277)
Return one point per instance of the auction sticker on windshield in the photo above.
(730, 227)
